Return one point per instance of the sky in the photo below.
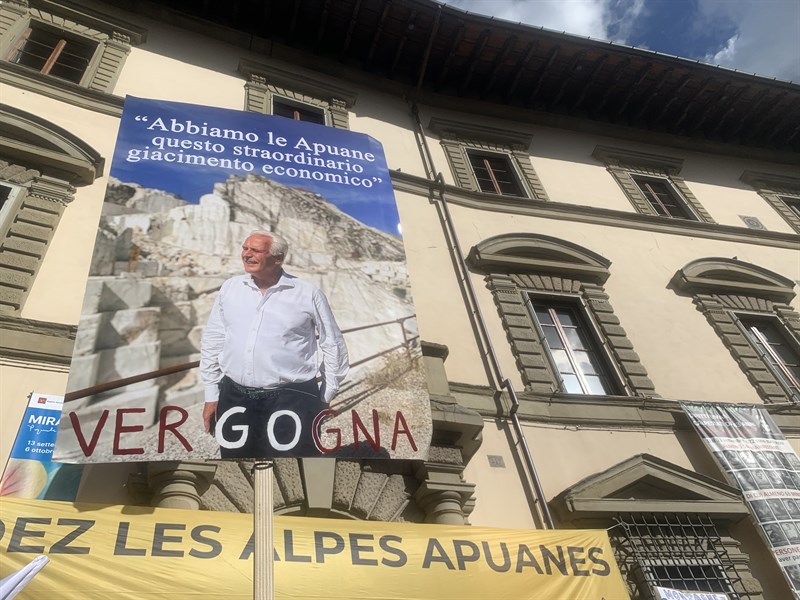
(754, 36)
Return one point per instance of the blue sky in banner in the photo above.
(186, 148)
(754, 36)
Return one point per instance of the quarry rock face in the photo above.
(160, 261)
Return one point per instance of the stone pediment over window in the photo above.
(648, 484)
(29, 140)
(730, 276)
(748, 306)
(538, 253)
(529, 273)
(40, 166)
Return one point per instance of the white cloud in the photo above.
(599, 19)
(767, 38)
(580, 17)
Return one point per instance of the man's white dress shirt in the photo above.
(270, 339)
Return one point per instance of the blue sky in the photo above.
(754, 36)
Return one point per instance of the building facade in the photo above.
(593, 233)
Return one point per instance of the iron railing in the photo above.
(407, 344)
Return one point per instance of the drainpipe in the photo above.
(476, 316)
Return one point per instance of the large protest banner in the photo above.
(188, 184)
(757, 458)
(130, 553)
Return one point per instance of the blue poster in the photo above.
(30, 472)
(248, 297)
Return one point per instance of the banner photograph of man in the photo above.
(268, 336)
(208, 326)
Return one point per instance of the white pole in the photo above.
(263, 574)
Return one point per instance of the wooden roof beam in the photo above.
(572, 69)
(521, 67)
(595, 70)
(691, 103)
(451, 53)
(349, 36)
(618, 72)
(710, 106)
(664, 78)
(378, 31)
(498, 62)
(398, 53)
(674, 97)
(779, 124)
(729, 110)
(539, 77)
(640, 77)
(793, 135)
(477, 49)
(323, 22)
(293, 22)
(755, 109)
(756, 126)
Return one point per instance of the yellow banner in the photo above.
(126, 553)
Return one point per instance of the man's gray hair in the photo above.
(278, 247)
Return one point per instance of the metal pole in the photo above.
(263, 572)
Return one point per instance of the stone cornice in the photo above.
(447, 128)
(290, 77)
(93, 19)
(421, 186)
(38, 341)
(758, 179)
(603, 411)
(609, 155)
(32, 81)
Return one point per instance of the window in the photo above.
(494, 174)
(54, 53)
(489, 160)
(668, 526)
(295, 95)
(47, 44)
(664, 199)
(776, 349)
(37, 183)
(748, 306)
(690, 576)
(5, 194)
(793, 204)
(678, 551)
(572, 351)
(558, 319)
(652, 184)
(297, 112)
(8, 203)
(780, 191)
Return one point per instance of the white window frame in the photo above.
(773, 362)
(608, 365)
(10, 206)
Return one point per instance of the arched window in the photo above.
(40, 165)
(558, 318)
(748, 306)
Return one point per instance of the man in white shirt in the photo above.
(268, 336)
